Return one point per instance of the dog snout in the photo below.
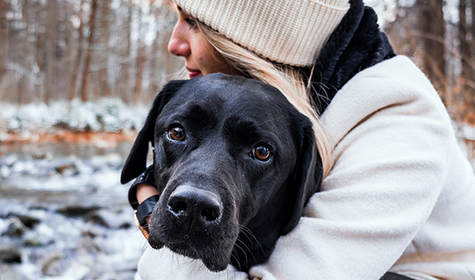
(193, 208)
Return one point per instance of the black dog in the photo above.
(235, 163)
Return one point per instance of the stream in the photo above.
(64, 214)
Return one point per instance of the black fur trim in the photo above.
(356, 44)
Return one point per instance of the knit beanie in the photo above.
(290, 32)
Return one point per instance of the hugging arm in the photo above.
(391, 151)
(143, 195)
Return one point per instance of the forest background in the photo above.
(79, 51)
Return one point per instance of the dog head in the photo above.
(234, 163)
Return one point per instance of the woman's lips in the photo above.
(193, 72)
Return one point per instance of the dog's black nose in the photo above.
(194, 208)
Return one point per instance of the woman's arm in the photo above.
(145, 191)
(143, 195)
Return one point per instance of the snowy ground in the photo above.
(65, 217)
(466, 136)
(63, 212)
(104, 115)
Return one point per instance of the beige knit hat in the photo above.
(285, 31)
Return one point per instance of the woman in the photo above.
(398, 193)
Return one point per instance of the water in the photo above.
(64, 214)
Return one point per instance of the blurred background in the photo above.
(76, 81)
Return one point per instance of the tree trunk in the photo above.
(466, 92)
(3, 41)
(139, 69)
(125, 65)
(103, 75)
(87, 63)
(41, 39)
(432, 42)
(472, 50)
(156, 64)
(22, 92)
(139, 62)
(50, 44)
(69, 42)
(77, 59)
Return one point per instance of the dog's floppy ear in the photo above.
(308, 174)
(137, 159)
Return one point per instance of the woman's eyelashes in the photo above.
(191, 22)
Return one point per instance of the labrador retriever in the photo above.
(234, 162)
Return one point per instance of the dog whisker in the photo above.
(248, 233)
(244, 251)
(236, 258)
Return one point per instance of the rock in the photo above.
(74, 211)
(67, 170)
(42, 155)
(10, 255)
(62, 125)
(15, 228)
(110, 219)
(32, 242)
(96, 218)
(52, 265)
(125, 225)
(29, 221)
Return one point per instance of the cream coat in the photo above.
(400, 197)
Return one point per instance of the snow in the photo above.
(69, 246)
(467, 132)
(104, 241)
(107, 114)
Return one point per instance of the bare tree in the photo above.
(155, 61)
(87, 63)
(70, 69)
(104, 89)
(40, 53)
(64, 48)
(431, 32)
(78, 56)
(140, 61)
(471, 120)
(3, 36)
(466, 95)
(50, 48)
(126, 54)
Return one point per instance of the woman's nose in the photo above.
(178, 45)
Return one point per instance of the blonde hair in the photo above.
(289, 80)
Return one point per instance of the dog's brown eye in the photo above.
(176, 133)
(261, 153)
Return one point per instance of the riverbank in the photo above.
(63, 212)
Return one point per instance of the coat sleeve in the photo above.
(390, 165)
